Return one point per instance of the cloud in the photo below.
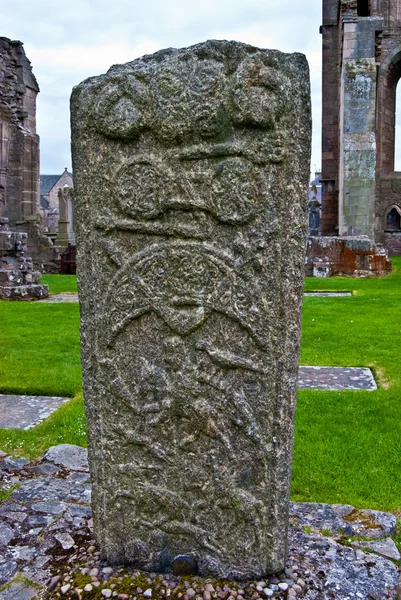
(68, 42)
(88, 59)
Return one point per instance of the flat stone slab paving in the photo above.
(336, 378)
(47, 548)
(65, 297)
(25, 412)
(326, 294)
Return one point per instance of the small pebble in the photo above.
(191, 592)
(292, 593)
(53, 582)
(107, 593)
(147, 593)
(65, 588)
(107, 570)
(301, 582)
(88, 587)
(94, 572)
(268, 592)
(283, 587)
(297, 588)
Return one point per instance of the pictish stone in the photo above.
(191, 169)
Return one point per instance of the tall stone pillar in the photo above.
(357, 177)
(65, 234)
(191, 176)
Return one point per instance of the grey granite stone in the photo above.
(52, 508)
(19, 591)
(6, 534)
(7, 569)
(72, 457)
(343, 518)
(65, 540)
(190, 174)
(13, 464)
(343, 573)
(51, 489)
(386, 548)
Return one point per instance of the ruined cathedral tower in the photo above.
(19, 145)
(361, 192)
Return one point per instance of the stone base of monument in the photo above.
(47, 548)
(350, 256)
(18, 279)
(24, 292)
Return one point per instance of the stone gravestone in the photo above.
(191, 176)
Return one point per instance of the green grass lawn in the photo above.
(347, 444)
(60, 283)
(39, 348)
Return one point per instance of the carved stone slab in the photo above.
(191, 169)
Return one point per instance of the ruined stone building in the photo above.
(361, 191)
(19, 144)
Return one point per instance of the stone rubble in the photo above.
(47, 549)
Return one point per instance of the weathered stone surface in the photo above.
(344, 518)
(6, 534)
(386, 548)
(68, 455)
(190, 171)
(318, 567)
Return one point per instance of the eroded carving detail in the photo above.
(190, 166)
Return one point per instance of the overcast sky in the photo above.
(67, 42)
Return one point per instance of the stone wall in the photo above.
(19, 147)
(352, 256)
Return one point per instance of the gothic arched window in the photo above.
(393, 220)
